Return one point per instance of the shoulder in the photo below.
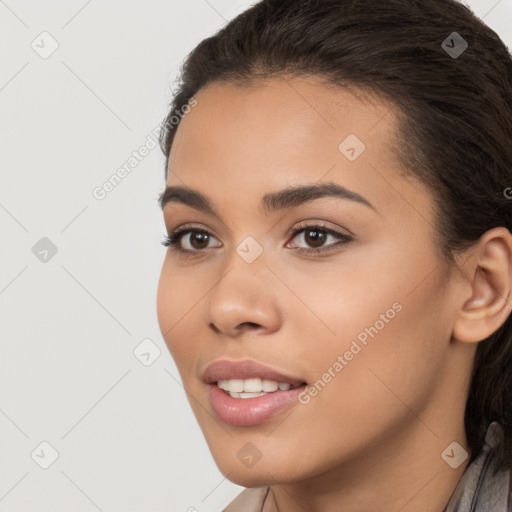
(249, 500)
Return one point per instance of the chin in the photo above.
(262, 473)
(248, 479)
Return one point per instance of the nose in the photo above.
(244, 300)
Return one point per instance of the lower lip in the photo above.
(250, 411)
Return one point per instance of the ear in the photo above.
(489, 272)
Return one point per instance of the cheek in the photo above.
(334, 304)
(175, 306)
(165, 299)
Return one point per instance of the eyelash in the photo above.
(172, 241)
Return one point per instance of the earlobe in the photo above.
(490, 302)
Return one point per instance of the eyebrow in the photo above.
(270, 202)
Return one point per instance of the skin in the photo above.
(372, 438)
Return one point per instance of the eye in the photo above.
(197, 242)
(316, 236)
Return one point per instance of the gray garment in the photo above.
(478, 489)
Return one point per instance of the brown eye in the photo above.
(195, 243)
(315, 238)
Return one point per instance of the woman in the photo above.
(337, 288)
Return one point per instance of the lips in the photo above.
(242, 409)
(225, 369)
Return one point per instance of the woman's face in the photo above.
(367, 318)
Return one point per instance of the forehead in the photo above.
(251, 139)
(287, 113)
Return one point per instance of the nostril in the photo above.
(247, 325)
(215, 328)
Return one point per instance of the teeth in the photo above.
(253, 385)
(248, 388)
(245, 395)
(236, 385)
(270, 385)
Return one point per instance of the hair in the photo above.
(454, 132)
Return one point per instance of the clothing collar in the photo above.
(479, 489)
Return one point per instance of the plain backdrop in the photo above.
(92, 412)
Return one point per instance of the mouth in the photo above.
(248, 409)
(251, 408)
(248, 393)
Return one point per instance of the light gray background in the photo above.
(124, 432)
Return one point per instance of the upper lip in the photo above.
(224, 369)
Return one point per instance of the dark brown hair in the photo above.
(455, 130)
